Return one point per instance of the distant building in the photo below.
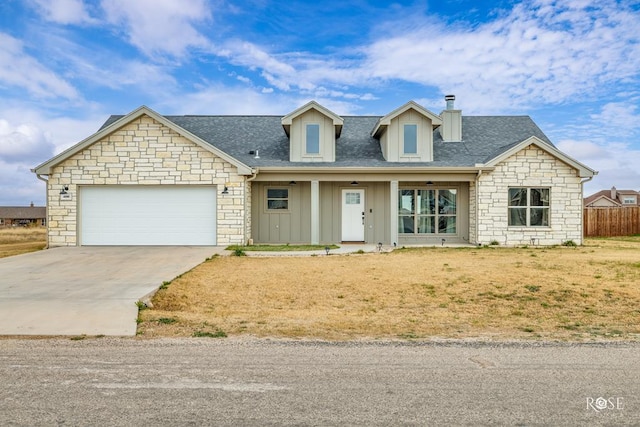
(14, 216)
(613, 199)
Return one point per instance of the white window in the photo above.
(629, 200)
(427, 211)
(313, 138)
(278, 199)
(410, 139)
(529, 207)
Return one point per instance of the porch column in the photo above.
(393, 221)
(315, 212)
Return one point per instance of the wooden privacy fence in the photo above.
(608, 222)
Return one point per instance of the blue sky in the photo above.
(66, 65)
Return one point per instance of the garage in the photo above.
(142, 215)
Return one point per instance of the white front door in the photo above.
(353, 215)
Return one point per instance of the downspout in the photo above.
(247, 212)
(477, 214)
(46, 204)
(582, 207)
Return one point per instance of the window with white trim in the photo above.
(278, 199)
(410, 132)
(529, 207)
(432, 211)
(312, 138)
(629, 200)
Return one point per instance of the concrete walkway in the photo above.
(86, 290)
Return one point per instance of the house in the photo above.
(613, 199)
(13, 216)
(411, 177)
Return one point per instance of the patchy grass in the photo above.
(567, 293)
(279, 248)
(20, 240)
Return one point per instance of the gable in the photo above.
(45, 168)
(582, 170)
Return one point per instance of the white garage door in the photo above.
(148, 215)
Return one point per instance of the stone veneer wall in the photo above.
(144, 152)
(531, 167)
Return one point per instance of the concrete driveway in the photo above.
(86, 290)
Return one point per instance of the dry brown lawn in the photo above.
(566, 293)
(19, 240)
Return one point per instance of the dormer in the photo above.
(406, 134)
(312, 131)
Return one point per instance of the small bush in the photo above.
(569, 243)
(238, 252)
(494, 243)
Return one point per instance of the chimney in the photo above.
(614, 193)
(451, 129)
(31, 204)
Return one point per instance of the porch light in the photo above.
(354, 182)
(226, 190)
(429, 183)
(292, 183)
(64, 190)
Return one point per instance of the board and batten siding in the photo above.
(290, 226)
(298, 138)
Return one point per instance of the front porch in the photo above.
(356, 210)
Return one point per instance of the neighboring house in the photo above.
(409, 177)
(12, 216)
(613, 199)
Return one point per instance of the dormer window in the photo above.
(410, 139)
(312, 131)
(313, 138)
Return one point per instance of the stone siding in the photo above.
(530, 167)
(145, 152)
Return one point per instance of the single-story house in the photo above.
(12, 216)
(613, 199)
(410, 177)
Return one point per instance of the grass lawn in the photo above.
(20, 240)
(566, 293)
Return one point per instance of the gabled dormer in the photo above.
(406, 134)
(312, 130)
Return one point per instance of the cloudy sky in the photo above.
(66, 65)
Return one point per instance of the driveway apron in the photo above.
(86, 290)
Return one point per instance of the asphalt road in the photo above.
(204, 381)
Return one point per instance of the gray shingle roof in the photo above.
(484, 138)
(22, 212)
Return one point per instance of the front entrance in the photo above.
(353, 215)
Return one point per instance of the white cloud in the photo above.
(19, 186)
(160, 26)
(17, 68)
(540, 52)
(64, 11)
(23, 143)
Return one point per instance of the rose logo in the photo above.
(601, 403)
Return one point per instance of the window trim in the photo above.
(267, 198)
(629, 200)
(528, 208)
(306, 142)
(436, 214)
(404, 150)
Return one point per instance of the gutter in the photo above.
(247, 214)
(46, 204)
(477, 206)
(582, 207)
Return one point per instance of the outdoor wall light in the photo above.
(292, 183)
(226, 190)
(64, 190)
(354, 182)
